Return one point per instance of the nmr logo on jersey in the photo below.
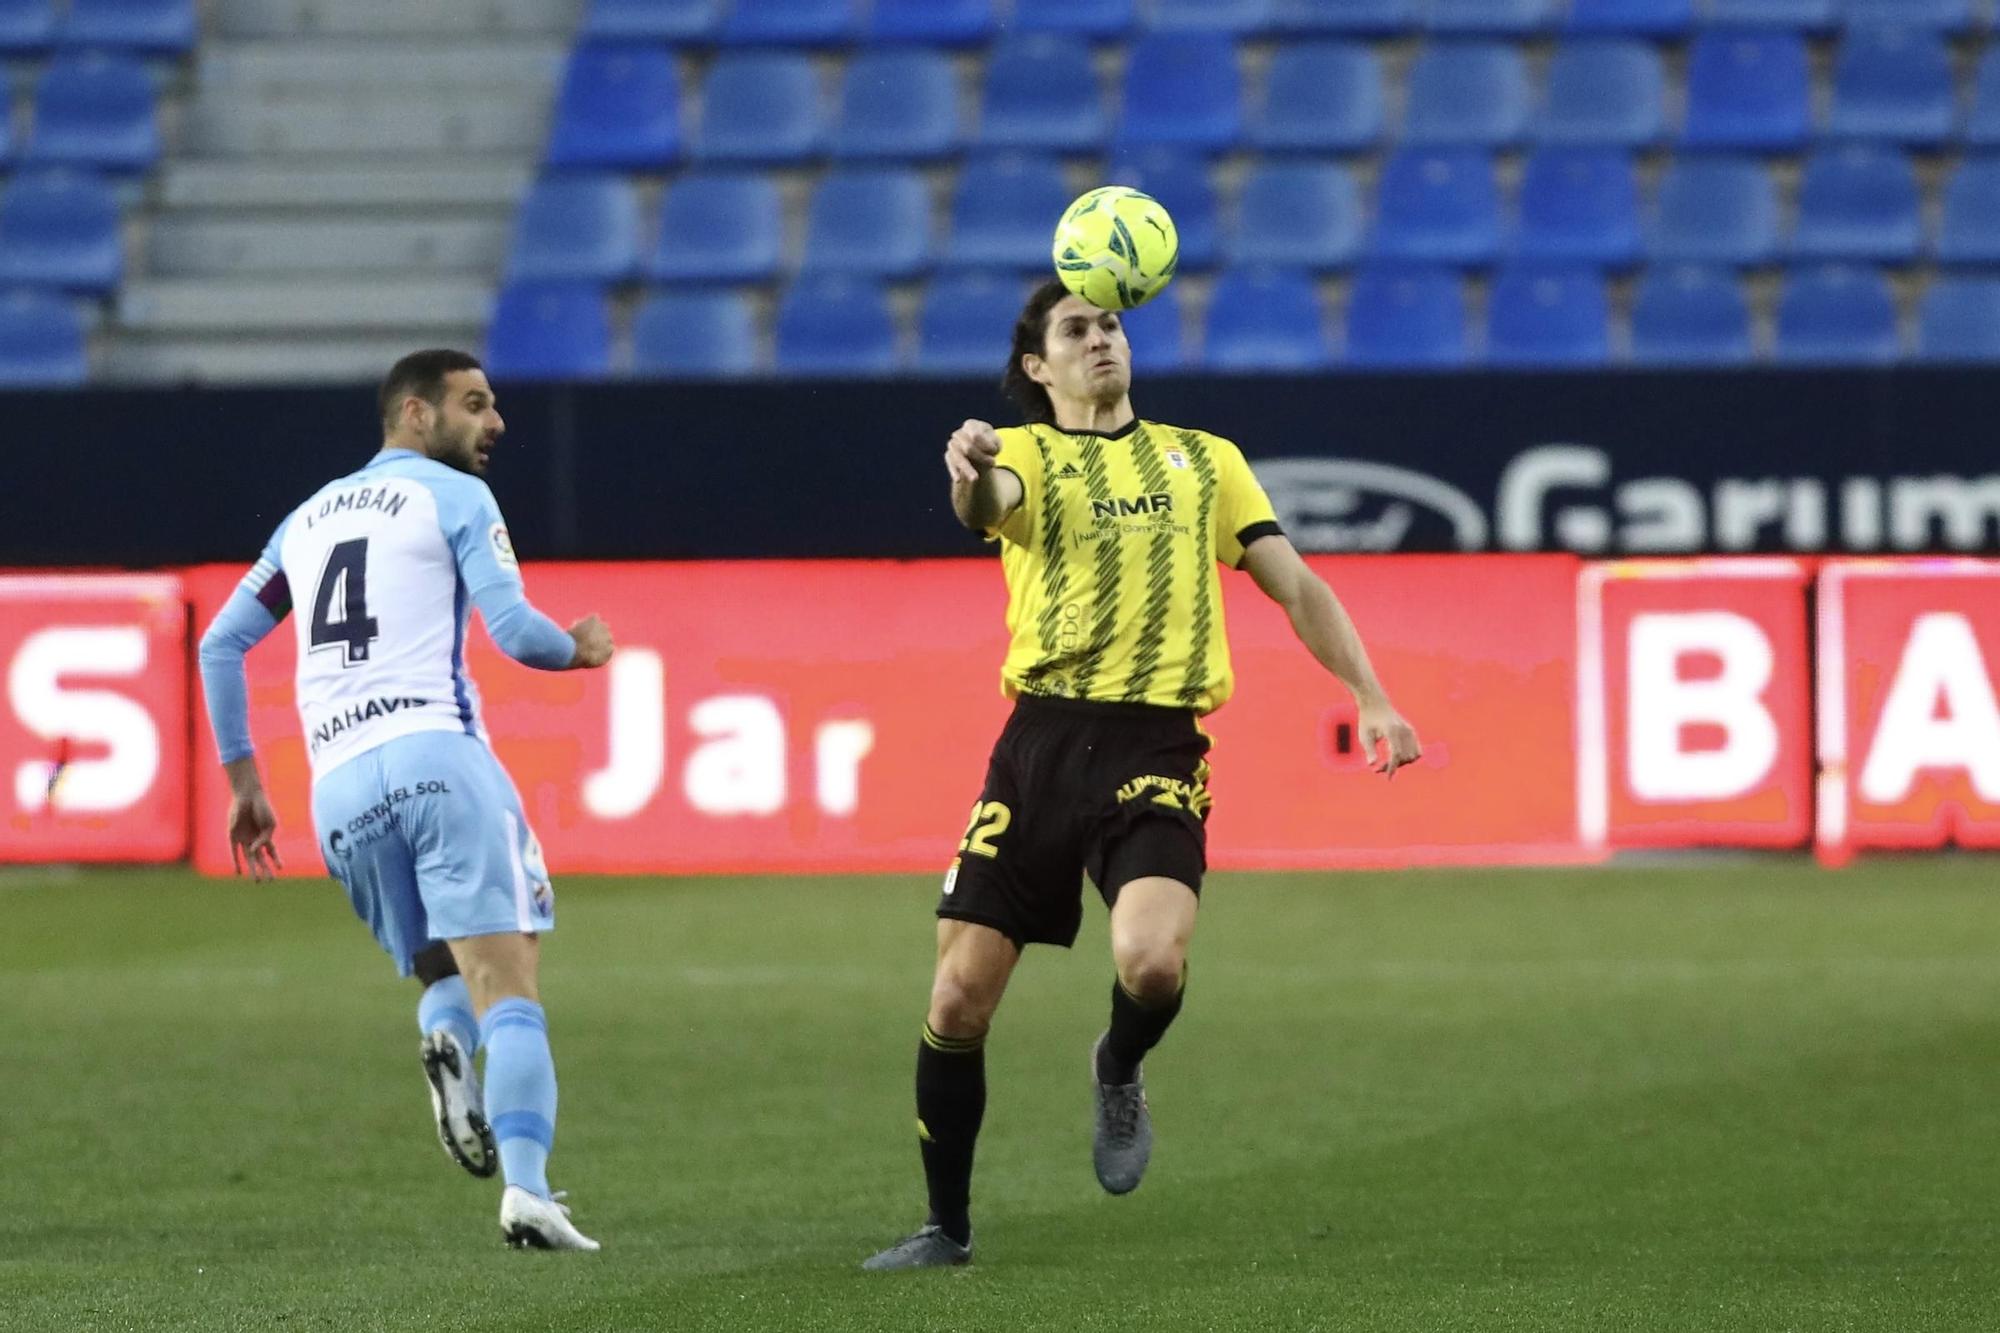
(1160, 502)
(93, 735)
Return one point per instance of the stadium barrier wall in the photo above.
(835, 716)
(1602, 465)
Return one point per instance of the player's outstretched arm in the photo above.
(1325, 628)
(982, 495)
(259, 603)
(532, 639)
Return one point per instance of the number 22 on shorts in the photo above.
(989, 820)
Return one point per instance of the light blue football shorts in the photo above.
(426, 834)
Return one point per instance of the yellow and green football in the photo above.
(1116, 247)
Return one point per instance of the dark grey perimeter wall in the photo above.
(1804, 460)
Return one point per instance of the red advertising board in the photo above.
(810, 717)
(1694, 708)
(93, 734)
(1909, 729)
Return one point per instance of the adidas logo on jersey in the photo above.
(1067, 472)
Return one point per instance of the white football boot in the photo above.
(530, 1222)
(458, 1105)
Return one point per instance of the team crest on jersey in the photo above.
(1175, 458)
(503, 546)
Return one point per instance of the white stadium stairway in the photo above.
(339, 186)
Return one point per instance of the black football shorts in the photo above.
(1113, 790)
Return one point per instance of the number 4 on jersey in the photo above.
(340, 606)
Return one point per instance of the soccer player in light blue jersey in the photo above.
(415, 816)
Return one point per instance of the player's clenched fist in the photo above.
(593, 642)
(969, 453)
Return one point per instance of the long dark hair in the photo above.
(1031, 335)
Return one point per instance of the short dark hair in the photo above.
(421, 374)
(1031, 335)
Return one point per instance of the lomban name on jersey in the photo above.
(353, 717)
(381, 498)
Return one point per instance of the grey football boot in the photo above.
(928, 1248)
(1124, 1139)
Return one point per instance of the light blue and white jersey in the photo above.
(383, 566)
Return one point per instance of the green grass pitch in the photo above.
(1731, 1094)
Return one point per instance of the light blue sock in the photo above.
(447, 1004)
(520, 1090)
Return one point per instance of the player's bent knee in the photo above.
(961, 1007)
(433, 964)
(497, 967)
(1152, 975)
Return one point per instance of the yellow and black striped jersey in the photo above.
(1113, 590)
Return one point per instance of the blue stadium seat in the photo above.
(95, 110)
(1859, 204)
(1893, 83)
(60, 229)
(652, 20)
(1689, 315)
(1004, 211)
(1537, 316)
(1605, 91)
(966, 324)
(1934, 15)
(1637, 18)
(1297, 215)
(1960, 320)
(165, 27)
(760, 106)
(1264, 320)
(1182, 183)
(41, 342)
(1789, 15)
(1579, 206)
(582, 227)
(1320, 97)
(1043, 94)
(1514, 17)
(934, 22)
(790, 23)
(1837, 315)
(1157, 331)
(1401, 318)
(1182, 89)
(1971, 203)
(1748, 91)
(619, 107)
(1468, 93)
(1099, 19)
(875, 223)
(836, 326)
(27, 27)
(549, 331)
(1243, 17)
(1438, 207)
(898, 104)
(1370, 17)
(700, 332)
(1716, 211)
(725, 227)
(1982, 126)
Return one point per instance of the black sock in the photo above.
(951, 1101)
(1135, 1029)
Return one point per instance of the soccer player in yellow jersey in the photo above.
(1111, 531)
